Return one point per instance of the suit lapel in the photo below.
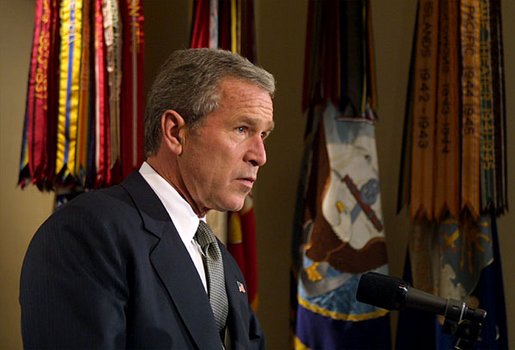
(173, 264)
(185, 288)
(238, 303)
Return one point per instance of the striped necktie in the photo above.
(215, 274)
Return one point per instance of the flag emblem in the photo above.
(241, 287)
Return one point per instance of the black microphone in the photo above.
(392, 293)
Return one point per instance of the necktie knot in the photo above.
(206, 238)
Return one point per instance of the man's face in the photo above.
(222, 155)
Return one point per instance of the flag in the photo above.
(229, 25)
(338, 227)
(467, 268)
(83, 117)
(454, 160)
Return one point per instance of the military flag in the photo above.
(454, 167)
(339, 232)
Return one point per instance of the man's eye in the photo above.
(241, 129)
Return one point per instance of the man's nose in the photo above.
(256, 153)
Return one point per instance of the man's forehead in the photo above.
(230, 81)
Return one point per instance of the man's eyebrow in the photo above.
(254, 121)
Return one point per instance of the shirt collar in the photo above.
(180, 211)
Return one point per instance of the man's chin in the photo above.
(236, 208)
(234, 205)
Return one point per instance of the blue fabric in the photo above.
(319, 332)
(419, 330)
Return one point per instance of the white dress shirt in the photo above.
(184, 218)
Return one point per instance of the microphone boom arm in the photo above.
(395, 294)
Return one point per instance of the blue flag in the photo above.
(338, 229)
(342, 237)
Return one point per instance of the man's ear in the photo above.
(173, 129)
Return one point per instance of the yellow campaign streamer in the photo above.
(113, 60)
(470, 81)
(70, 58)
(447, 115)
(234, 31)
(235, 234)
(424, 104)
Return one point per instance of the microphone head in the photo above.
(381, 290)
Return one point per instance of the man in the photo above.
(121, 267)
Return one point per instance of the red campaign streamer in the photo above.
(27, 158)
(131, 98)
(37, 94)
(200, 33)
(101, 112)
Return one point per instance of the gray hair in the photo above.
(188, 83)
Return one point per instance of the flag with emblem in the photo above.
(339, 232)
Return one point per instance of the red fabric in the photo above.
(31, 118)
(245, 252)
(101, 110)
(131, 96)
(200, 33)
(248, 227)
(224, 25)
(41, 98)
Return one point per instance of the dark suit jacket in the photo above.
(109, 270)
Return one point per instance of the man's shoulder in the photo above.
(105, 198)
(98, 199)
(105, 215)
(94, 208)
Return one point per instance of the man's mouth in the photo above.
(247, 181)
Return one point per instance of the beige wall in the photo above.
(20, 211)
(281, 35)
